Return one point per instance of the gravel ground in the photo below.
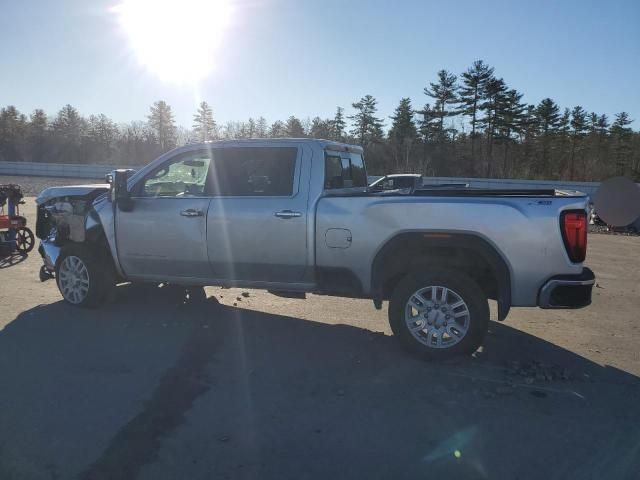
(603, 229)
(255, 386)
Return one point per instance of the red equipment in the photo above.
(15, 237)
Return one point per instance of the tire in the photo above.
(440, 329)
(84, 278)
(25, 240)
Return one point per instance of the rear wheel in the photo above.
(83, 277)
(439, 314)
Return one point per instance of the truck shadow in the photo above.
(146, 388)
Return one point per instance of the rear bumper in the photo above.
(567, 291)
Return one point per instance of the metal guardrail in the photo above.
(55, 170)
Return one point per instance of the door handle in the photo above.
(191, 212)
(288, 214)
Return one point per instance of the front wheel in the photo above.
(439, 314)
(84, 278)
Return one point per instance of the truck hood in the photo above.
(71, 191)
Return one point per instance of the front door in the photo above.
(164, 236)
(257, 222)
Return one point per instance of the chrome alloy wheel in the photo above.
(437, 316)
(73, 279)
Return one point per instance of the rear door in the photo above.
(257, 219)
(164, 235)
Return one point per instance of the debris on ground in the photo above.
(239, 299)
(245, 294)
(628, 232)
(535, 371)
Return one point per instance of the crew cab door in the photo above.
(164, 235)
(257, 220)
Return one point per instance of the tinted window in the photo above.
(254, 171)
(184, 176)
(358, 172)
(344, 172)
(333, 172)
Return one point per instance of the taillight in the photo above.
(573, 224)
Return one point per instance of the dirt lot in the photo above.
(278, 388)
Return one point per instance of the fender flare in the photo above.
(453, 240)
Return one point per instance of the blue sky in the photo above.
(305, 57)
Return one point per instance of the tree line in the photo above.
(472, 124)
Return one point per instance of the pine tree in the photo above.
(277, 130)
(367, 127)
(562, 145)
(69, 125)
(403, 132)
(338, 125)
(321, 128)
(471, 93)
(37, 135)
(428, 125)
(547, 119)
(444, 94)
(509, 122)
(251, 128)
(294, 128)
(163, 125)
(204, 126)
(578, 131)
(101, 133)
(598, 126)
(621, 135)
(493, 103)
(262, 130)
(13, 129)
(528, 134)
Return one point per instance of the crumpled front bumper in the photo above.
(567, 291)
(49, 252)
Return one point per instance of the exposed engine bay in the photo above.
(62, 214)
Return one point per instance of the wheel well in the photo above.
(96, 240)
(418, 251)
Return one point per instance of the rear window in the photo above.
(344, 172)
(254, 171)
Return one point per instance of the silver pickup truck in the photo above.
(294, 216)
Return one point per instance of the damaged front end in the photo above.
(62, 216)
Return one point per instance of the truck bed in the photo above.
(464, 192)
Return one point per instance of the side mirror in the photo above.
(120, 195)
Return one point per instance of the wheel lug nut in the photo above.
(447, 316)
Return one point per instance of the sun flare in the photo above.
(176, 39)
